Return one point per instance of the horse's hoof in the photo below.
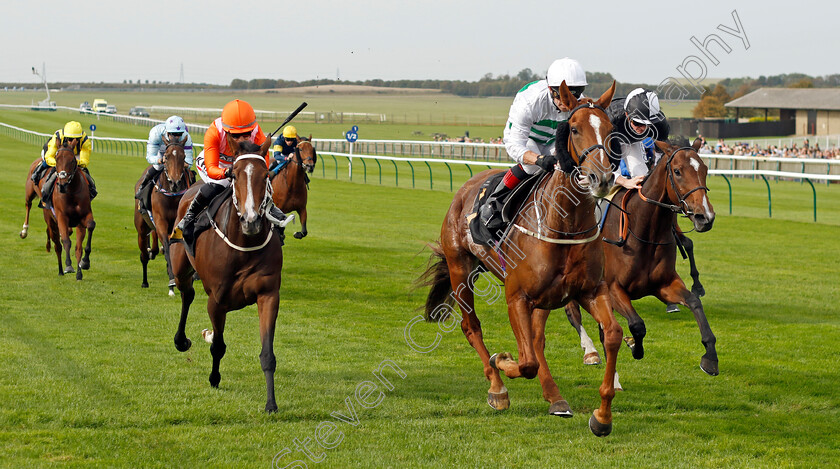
(144, 285)
(672, 308)
(598, 428)
(592, 358)
(215, 377)
(79, 274)
(561, 409)
(498, 400)
(171, 292)
(698, 290)
(271, 407)
(183, 346)
(494, 359)
(299, 235)
(709, 366)
(69, 270)
(84, 265)
(23, 234)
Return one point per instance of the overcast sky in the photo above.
(217, 41)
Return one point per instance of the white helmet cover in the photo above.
(566, 69)
(175, 124)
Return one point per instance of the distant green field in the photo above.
(91, 377)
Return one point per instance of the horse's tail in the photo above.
(436, 276)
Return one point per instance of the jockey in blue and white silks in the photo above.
(176, 130)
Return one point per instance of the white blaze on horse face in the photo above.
(694, 163)
(595, 122)
(250, 209)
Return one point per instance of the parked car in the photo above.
(111, 109)
(99, 105)
(138, 111)
(85, 107)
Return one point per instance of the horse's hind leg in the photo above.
(28, 198)
(590, 353)
(676, 292)
(217, 314)
(155, 249)
(302, 233)
(143, 244)
(598, 306)
(267, 308)
(551, 393)
(459, 272)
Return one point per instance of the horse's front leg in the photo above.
(267, 308)
(80, 240)
(519, 313)
(27, 202)
(89, 225)
(696, 286)
(302, 233)
(166, 246)
(551, 393)
(184, 281)
(64, 232)
(676, 292)
(590, 353)
(598, 305)
(621, 302)
(218, 315)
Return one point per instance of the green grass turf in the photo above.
(91, 377)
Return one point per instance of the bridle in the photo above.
(166, 173)
(63, 174)
(266, 198)
(682, 206)
(580, 158)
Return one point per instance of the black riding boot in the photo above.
(186, 226)
(91, 183)
(150, 175)
(490, 212)
(47, 189)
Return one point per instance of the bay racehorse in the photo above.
(69, 207)
(168, 189)
(291, 185)
(641, 252)
(239, 261)
(547, 261)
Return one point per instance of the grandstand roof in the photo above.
(790, 98)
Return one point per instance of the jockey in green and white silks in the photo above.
(530, 130)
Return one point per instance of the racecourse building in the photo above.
(806, 111)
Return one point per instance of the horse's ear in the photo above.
(265, 146)
(233, 144)
(697, 144)
(310, 137)
(166, 140)
(664, 147)
(566, 96)
(605, 98)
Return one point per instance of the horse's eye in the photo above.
(676, 172)
(574, 130)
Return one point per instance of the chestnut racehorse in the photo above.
(239, 261)
(290, 184)
(645, 264)
(556, 229)
(168, 189)
(70, 209)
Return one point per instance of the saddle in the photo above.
(512, 204)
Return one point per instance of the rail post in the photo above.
(450, 175)
(769, 202)
(730, 192)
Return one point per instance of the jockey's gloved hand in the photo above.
(546, 162)
(229, 173)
